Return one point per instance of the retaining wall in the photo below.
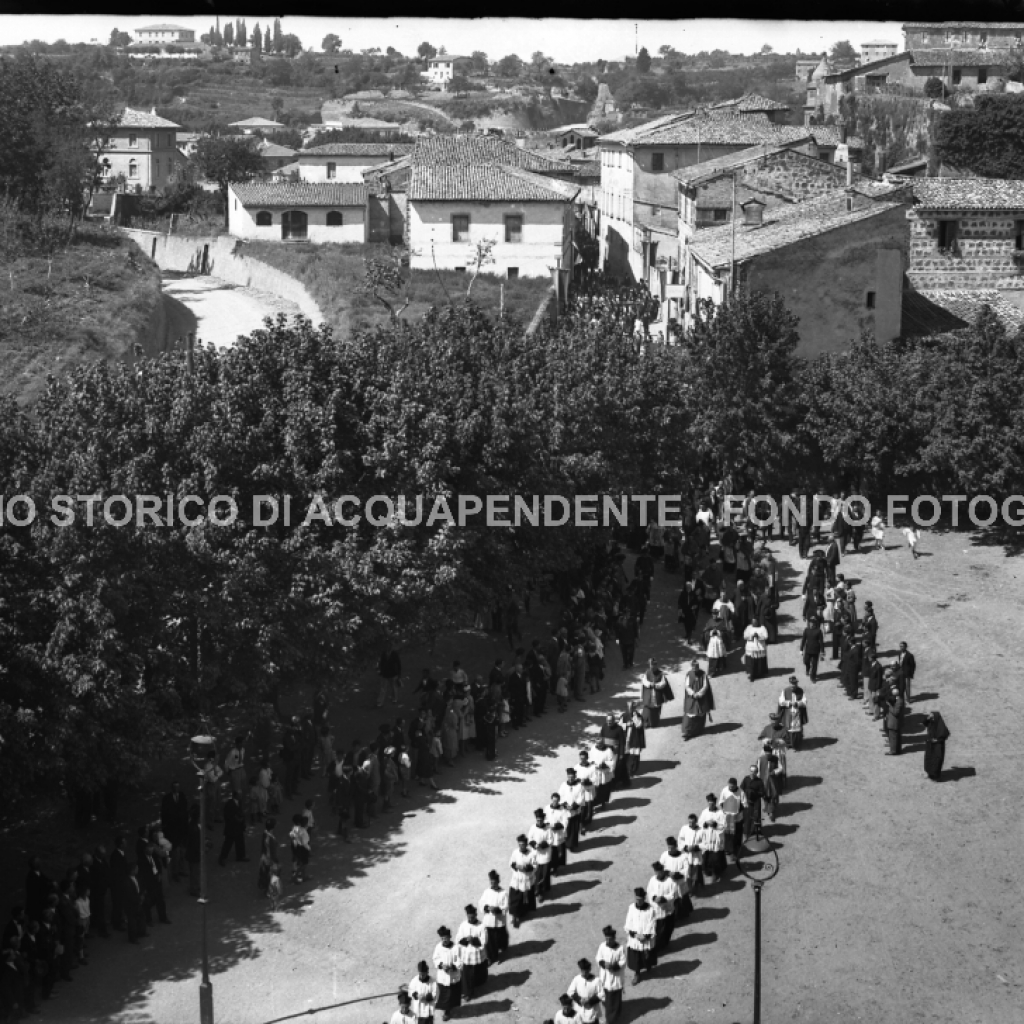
(184, 253)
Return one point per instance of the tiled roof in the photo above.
(708, 169)
(440, 182)
(461, 150)
(256, 122)
(908, 166)
(446, 56)
(782, 226)
(301, 193)
(932, 312)
(858, 70)
(878, 42)
(358, 149)
(163, 28)
(752, 101)
(272, 149)
(628, 135)
(828, 135)
(397, 173)
(740, 131)
(969, 193)
(286, 169)
(360, 122)
(981, 26)
(144, 119)
(942, 56)
(580, 129)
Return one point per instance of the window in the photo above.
(849, 204)
(156, 168)
(1018, 241)
(983, 39)
(720, 215)
(512, 273)
(956, 76)
(982, 76)
(332, 171)
(459, 270)
(657, 161)
(133, 141)
(947, 234)
(514, 228)
(133, 169)
(460, 228)
(293, 225)
(869, 300)
(264, 219)
(334, 219)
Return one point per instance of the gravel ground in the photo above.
(223, 311)
(897, 899)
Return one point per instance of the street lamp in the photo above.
(202, 750)
(758, 873)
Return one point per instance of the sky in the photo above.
(563, 40)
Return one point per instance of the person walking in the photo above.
(472, 941)
(793, 702)
(521, 897)
(712, 825)
(661, 894)
(570, 794)
(698, 701)
(494, 903)
(269, 856)
(936, 734)
(636, 742)
(641, 926)
(811, 645)
(174, 821)
(541, 841)
(611, 969)
(878, 531)
(448, 965)
(586, 992)
(423, 993)
(234, 831)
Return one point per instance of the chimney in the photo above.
(880, 154)
(753, 213)
(844, 130)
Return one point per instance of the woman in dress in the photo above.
(934, 745)
(698, 701)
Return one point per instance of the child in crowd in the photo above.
(307, 818)
(300, 848)
(275, 889)
(404, 769)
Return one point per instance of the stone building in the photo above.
(144, 148)
(837, 261)
(967, 234)
(877, 49)
(297, 212)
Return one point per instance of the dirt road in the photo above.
(220, 311)
(896, 899)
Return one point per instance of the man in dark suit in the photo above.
(174, 821)
(234, 831)
(100, 878)
(37, 888)
(132, 902)
(811, 645)
(832, 555)
(118, 881)
(906, 666)
(152, 885)
(516, 684)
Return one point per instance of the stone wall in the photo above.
(983, 260)
(794, 175)
(223, 258)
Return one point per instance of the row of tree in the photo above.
(113, 639)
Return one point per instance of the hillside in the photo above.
(92, 301)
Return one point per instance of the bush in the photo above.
(934, 89)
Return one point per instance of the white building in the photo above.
(443, 68)
(528, 217)
(157, 35)
(144, 148)
(346, 161)
(251, 125)
(877, 49)
(297, 212)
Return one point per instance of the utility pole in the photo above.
(732, 270)
(190, 359)
(203, 746)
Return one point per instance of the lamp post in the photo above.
(758, 873)
(202, 748)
